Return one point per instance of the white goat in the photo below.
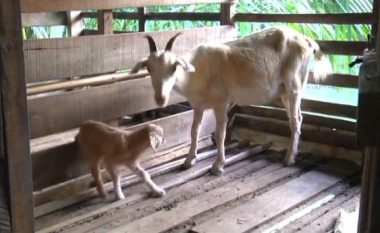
(256, 69)
(114, 147)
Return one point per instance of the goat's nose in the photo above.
(160, 100)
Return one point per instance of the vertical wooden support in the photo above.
(227, 11)
(75, 23)
(105, 18)
(15, 116)
(142, 19)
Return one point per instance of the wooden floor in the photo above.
(256, 193)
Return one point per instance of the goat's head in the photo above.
(162, 66)
(156, 136)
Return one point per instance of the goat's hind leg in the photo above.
(295, 119)
(112, 170)
(138, 170)
(195, 127)
(221, 123)
(95, 171)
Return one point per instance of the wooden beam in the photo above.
(43, 19)
(75, 24)
(343, 47)
(338, 18)
(338, 80)
(105, 19)
(47, 59)
(15, 118)
(227, 12)
(116, 100)
(141, 18)
(59, 5)
(308, 118)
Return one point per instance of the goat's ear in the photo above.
(141, 64)
(187, 66)
(153, 140)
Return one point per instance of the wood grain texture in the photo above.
(15, 118)
(47, 59)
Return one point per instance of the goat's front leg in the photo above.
(138, 170)
(221, 123)
(197, 123)
(95, 171)
(295, 118)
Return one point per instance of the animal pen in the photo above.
(50, 86)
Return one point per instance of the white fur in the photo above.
(256, 69)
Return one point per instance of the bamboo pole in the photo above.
(98, 80)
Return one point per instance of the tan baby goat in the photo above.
(115, 147)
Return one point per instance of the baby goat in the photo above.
(256, 69)
(114, 147)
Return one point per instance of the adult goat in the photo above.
(256, 69)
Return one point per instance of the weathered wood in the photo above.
(338, 18)
(83, 82)
(105, 19)
(116, 100)
(272, 203)
(62, 162)
(343, 47)
(15, 119)
(75, 24)
(191, 208)
(308, 132)
(43, 19)
(308, 118)
(338, 80)
(199, 171)
(141, 18)
(227, 12)
(47, 59)
(58, 5)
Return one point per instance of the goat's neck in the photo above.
(182, 82)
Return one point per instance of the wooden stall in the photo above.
(50, 86)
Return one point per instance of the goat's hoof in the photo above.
(159, 193)
(289, 161)
(119, 197)
(217, 171)
(188, 163)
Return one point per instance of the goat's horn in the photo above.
(152, 44)
(170, 43)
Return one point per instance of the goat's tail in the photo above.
(321, 66)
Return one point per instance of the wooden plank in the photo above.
(227, 12)
(308, 133)
(61, 163)
(343, 47)
(338, 80)
(335, 18)
(141, 17)
(308, 118)
(59, 5)
(186, 176)
(43, 19)
(117, 100)
(271, 203)
(13, 111)
(105, 19)
(162, 221)
(47, 59)
(75, 24)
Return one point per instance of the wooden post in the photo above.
(142, 19)
(75, 24)
(227, 11)
(15, 118)
(105, 18)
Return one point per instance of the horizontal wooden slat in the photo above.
(347, 18)
(47, 59)
(61, 163)
(59, 5)
(343, 47)
(193, 16)
(338, 80)
(308, 132)
(338, 110)
(308, 118)
(43, 19)
(52, 114)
